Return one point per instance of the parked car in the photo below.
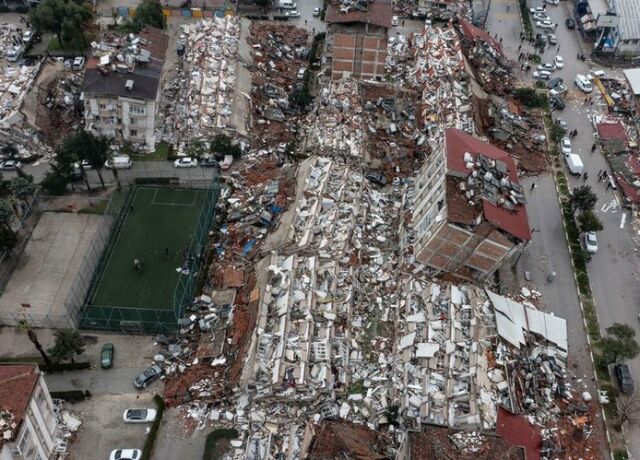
(552, 2)
(557, 103)
(27, 36)
(591, 242)
(561, 122)
(558, 62)
(554, 82)
(185, 162)
(13, 53)
(596, 74)
(538, 9)
(545, 25)
(541, 39)
(106, 356)
(125, 454)
(541, 75)
(552, 39)
(292, 14)
(316, 12)
(625, 381)
(139, 415)
(541, 17)
(394, 21)
(78, 63)
(85, 165)
(10, 165)
(547, 66)
(583, 83)
(565, 145)
(119, 162)
(570, 23)
(209, 162)
(558, 90)
(301, 73)
(148, 376)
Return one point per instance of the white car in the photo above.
(565, 145)
(537, 9)
(552, 2)
(595, 74)
(591, 242)
(78, 63)
(292, 14)
(125, 454)
(27, 35)
(301, 73)
(541, 17)
(10, 165)
(85, 165)
(546, 66)
(559, 62)
(558, 90)
(394, 21)
(541, 75)
(139, 415)
(316, 12)
(185, 162)
(546, 25)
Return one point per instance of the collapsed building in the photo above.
(469, 210)
(121, 87)
(357, 33)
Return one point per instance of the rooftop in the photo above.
(633, 77)
(123, 58)
(17, 382)
(608, 131)
(488, 175)
(629, 13)
(442, 442)
(475, 33)
(376, 12)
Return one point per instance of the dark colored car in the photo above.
(106, 356)
(554, 82)
(377, 178)
(557, 103)
(624, 378)
(210, 163)
(148, 376)
(570, 23)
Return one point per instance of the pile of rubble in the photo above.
(279, 52)
(8, 425)
(60, 108)
(200, 98)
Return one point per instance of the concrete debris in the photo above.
(8, 425)
(200, 98)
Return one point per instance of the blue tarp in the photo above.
(248, 246)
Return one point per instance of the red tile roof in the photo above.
(612, 131)
(475, 33)
(515, 429)
(378, 13)
(17, 382)
(457, 143)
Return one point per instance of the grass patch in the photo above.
(212, 439)
(161, 153)
(147, 450)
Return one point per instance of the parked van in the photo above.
(583, 83)
(287, 4)
(574, 162)
(119, 162)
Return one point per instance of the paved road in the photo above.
(117, 381)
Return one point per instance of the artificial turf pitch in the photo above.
(158, 218)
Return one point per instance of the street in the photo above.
(613, 271)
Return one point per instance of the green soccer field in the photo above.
(158, 219)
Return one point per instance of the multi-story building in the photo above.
(121, 88)
(357, 39)
(469, 210)
(30, 429)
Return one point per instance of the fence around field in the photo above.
(150, 319)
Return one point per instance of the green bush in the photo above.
(212, 439)
(530, 98)
(72, 396)
(61, 367)
(153, 432)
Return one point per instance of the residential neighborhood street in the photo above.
(614, 270)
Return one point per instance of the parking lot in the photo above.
(103, 429)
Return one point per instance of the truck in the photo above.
(575, 164)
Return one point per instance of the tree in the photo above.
(54, 183)
(33, 337)
(529, 97)
(557, 133)
(65, 18)
(589, 222)
(8, 240)
(620, 343)
(583, 199)
(85, 146)
(68, 344)
(149, 13)
(22, 189)
(628, 409)
(6, 214)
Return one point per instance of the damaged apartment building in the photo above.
(357, 33)
(121, 87)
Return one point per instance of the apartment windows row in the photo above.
(133, 109)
